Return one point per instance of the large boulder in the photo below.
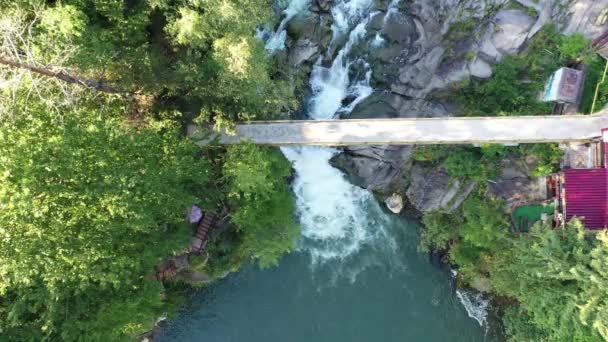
(394, 203)
(303, 51)
(511, 28)
(433, 189)
(480, 68)
(381, 105)
(311, 26)
(420, 74)
(374, 167)
(399, 28)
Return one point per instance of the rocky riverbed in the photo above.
(417, 50)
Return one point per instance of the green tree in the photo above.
(263, 204)
(439, 231)
(550, 272)
(89, 206)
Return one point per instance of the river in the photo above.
(383, 293)
(356, 274)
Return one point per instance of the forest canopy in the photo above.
(96, 175)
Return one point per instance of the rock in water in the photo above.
(374, 167)
(394, 203)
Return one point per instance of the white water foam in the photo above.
(348, 13)
(331, 210)
(332, 85)
(335, 215)
(276, 40)
(378, 41)
(475, 305)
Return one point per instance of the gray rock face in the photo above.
(325, 5)
(312, 27)
(480, 69)
(303, 51)
(511, 30)
(589, 17)
(433, 189)
(516, 187)
(398, 28)
(374, 167)
(420, 74)
(389, 105)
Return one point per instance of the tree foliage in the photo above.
(93, 187)
(89, 206)
(557, 277)
(263, 204)
(202, 51)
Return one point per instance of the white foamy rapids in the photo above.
(348, 12)
(332, 85)
(475, 305)
(338, 219)
(378, 40)
(332, 212)
(276, 40)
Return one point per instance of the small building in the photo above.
(583, 193)
(564, 86)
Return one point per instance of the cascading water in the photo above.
(393, 294)
(276, 41)
(331, 210)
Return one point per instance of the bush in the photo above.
(470, 163)
(439, 231)
(549, 157)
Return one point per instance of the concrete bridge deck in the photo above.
(453, 130)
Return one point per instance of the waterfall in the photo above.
(334, 214)
(276, 41)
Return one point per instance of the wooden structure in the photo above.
(166, 270)
(565, 86)
(600, 45)
(201, 236)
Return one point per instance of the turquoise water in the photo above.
(381, 293)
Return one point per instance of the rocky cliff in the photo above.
(420, 48)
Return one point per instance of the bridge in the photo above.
(446, 130)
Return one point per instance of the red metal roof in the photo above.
(587, 196)
(605, 141)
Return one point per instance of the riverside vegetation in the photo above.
(95, 174)
(551, 284)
